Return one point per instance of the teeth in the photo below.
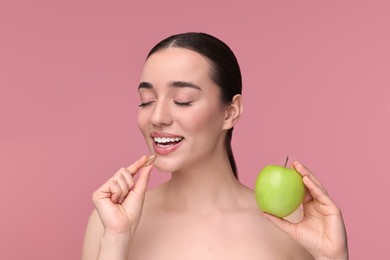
(167, 139)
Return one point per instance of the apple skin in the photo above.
(279, 190)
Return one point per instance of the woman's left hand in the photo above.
(321, 231)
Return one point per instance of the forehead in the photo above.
(174, 63)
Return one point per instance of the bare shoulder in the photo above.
(239, 227)
(269, 235)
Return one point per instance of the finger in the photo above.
(128, 178)
(115, 190)
(121, 181)
(106, 191)
(316, 191)
(134, 168)
(142, 182)
(304, 171)
(308, 197)
(284, 225)
(143, 179)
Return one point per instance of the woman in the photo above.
(191, 99)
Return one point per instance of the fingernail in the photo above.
(150, 160)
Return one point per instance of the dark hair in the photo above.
(225, 71)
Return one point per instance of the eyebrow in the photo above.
(183, 84)
(175, 84)
(145, 85)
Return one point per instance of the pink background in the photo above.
(316, 87)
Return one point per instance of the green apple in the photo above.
(279, 190)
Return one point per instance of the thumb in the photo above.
(282, 224)
(134, 201)
(143, 180)
(136, 196)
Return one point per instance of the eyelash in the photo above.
(183, 103)
(177, 103)
(145, 104)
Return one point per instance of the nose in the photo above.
(161, 114)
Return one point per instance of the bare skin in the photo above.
(231, 229)
(203, 211)
(202, 223)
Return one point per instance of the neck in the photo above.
(207, 186)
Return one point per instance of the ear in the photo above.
(233, 112)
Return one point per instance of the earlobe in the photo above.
(233, 111)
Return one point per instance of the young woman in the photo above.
(190, 93)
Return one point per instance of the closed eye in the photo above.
(144, 104)
(183, 103)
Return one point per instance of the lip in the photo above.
(165, 150)
(164, 134)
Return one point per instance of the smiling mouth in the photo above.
(165, 142)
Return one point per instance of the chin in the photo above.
(167, 167)
(161, 168)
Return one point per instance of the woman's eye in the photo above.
(144, 104)
(188, 103)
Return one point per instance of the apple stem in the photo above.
(285, 164)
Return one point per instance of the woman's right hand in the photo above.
(119, 201)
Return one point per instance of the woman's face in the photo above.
(181, 115)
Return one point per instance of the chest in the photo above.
(206, 238)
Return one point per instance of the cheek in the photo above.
(203, 119)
